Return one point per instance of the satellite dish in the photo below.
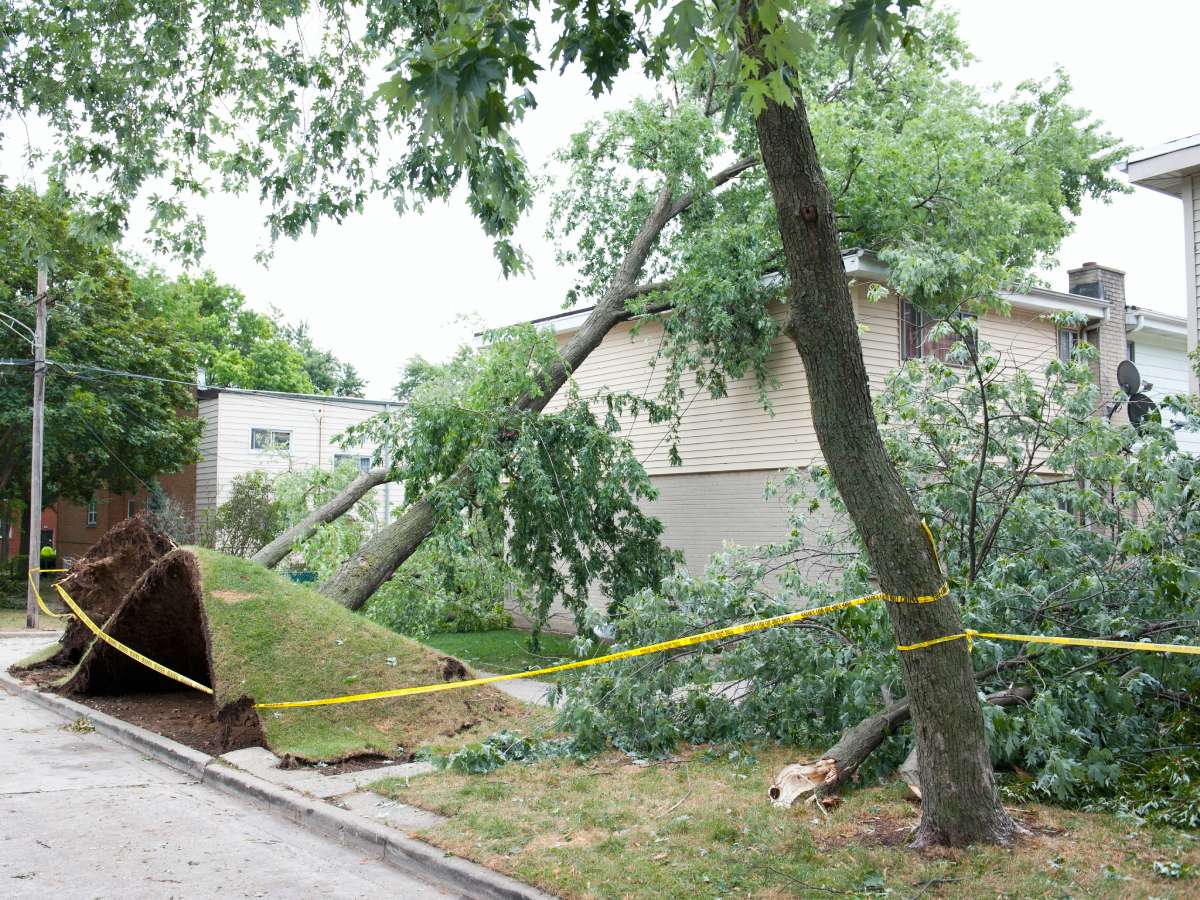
(1139, 407)
(1130, 379)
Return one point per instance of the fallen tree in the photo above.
(275, 551)
(361, 575)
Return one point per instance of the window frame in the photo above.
(1075, 340)
(363, 459)
(924, 323)
(273, 432)
(91, 514)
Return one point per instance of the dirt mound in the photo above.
(102, 577)
(162, 616)
(254, 636)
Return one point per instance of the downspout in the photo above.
(387, 485)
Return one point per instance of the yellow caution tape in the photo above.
(930, 643)
(132, 654)
(1144, 646)
(688, 641)
(677, 643)
(704, 637)
(38, 594)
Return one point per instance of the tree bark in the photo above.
(361, 575)
(961, 805)
(857, 743)
(274, 552)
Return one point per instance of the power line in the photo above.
(83, 421)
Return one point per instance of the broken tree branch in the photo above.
(841, 761)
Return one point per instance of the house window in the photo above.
(91, 513)
(1130, 352)
(916, 327)
(270, 439)
(1068, 340)
(130, 508)
(363, 462)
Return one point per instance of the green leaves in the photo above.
(871, 27)
(559, 493)
(101, 430)
(1091, 537)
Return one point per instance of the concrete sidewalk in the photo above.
(527, 690)
(89, 816)
(86, 817)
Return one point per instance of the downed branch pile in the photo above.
(1108, 545)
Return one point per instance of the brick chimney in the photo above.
(1104, 283)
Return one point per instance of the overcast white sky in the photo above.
(381, 289)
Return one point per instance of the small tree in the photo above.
(164, 513)
(248, 519)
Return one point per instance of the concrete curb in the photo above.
(25, 633)
(393, 847)
(177, 756)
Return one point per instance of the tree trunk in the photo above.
(361, 575)
(961, 805)
(274, 552)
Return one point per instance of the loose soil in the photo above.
(161, 617)
(184, 716)
(362, 762)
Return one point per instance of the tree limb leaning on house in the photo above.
(354, 583)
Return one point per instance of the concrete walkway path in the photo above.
(528, 690)
(84, 816)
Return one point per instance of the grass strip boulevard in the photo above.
(700, 826)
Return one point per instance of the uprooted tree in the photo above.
(462, 77)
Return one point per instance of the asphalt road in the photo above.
(82, 816)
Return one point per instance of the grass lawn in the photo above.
(14, 620)
(274, 640)
(702, 827)
(505, 650)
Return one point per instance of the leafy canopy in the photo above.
(237, 346)
(99, 429)
(962, 195)
(166, 100)
(561, 490)
(1049, 521)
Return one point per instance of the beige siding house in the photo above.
(1174, 169)
(731, 448)
(246, 431)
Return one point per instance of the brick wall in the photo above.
(73, 535)
(1105, 283)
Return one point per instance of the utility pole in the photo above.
(35, 474)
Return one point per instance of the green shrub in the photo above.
(451, 584)
(248, 520)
